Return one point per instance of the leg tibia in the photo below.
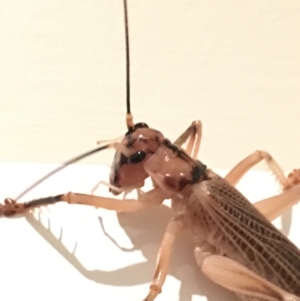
(274, 206)
(243, 166)
(193, 133)
(163, 258)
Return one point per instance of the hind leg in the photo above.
(237, 172)
(239, 279)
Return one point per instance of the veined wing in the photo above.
(247, 236)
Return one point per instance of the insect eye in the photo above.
(137, 157)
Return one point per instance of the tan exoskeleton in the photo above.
(236, 246)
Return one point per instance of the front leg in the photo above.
(151, 198)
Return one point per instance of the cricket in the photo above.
(236, 245)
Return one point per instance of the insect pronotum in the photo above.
(236, 246)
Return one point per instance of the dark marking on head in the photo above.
(141, 125)
(136, 126)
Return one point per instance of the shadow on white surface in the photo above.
(151, 225)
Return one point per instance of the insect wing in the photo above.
(243, 234)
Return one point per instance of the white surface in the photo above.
(234, 65)
(35, 265)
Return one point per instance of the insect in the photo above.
(235, 244)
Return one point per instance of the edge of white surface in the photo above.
(33, 259)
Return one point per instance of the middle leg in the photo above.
(194, 134)
(163, 258)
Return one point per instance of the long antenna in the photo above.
(129, 118)
(64, 165)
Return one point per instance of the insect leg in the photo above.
(194, 134)
(163, 258)
(237, 278)
(151, 198)
(275, 206)
(243, 166)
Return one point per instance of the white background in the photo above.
(234, 65)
